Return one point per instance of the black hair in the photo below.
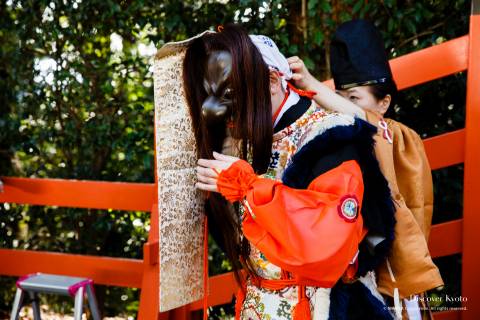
(381, 90)
(251, 116)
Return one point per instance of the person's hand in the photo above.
(209, 169)
(301, 77)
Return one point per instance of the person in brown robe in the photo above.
(362, 75)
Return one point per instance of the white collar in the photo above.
(292, 100)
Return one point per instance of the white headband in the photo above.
(272, 56)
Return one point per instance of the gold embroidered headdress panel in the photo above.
(180, 205)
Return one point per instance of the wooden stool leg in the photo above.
(35, 306)
(92, 302)
(17, 304)
(78, 304)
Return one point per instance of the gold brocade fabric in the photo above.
(406, 168)
(180, 205)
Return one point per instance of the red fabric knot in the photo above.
(234, 182)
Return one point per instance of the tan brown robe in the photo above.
(405, 166)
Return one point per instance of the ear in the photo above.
(384, 104)
(275, 83)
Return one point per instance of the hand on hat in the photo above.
(301, 78)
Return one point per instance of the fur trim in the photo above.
(328, 136)
(370, 282)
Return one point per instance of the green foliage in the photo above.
(76, 104)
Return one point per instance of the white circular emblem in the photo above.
(349, 209)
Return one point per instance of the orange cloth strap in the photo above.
(303, 93)
(239, 300)
(301, 311)
(275, 115)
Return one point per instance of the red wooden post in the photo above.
(149, 308)
(149, 297)
(471, 225)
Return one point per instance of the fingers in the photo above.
(295, 62)
(296, 65)
(293, 59)
(297, 76)
(206, 180)
(207, 163)
(221, 161)
(206, 187)
(206, 172)
(224, 157)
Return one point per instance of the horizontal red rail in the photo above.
(431, 63)
(79, 193)
(103, 270)
(446, 238)
(446, 149)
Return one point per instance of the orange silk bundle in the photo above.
(312, 233)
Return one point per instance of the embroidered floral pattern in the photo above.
(180, 205)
